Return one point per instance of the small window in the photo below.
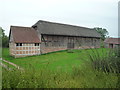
(36, 44)
(18, 44)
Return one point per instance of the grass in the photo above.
(79, 78)
(53, 61)
(59, 70)
(8, 65)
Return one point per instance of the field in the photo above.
(63, 60)
(69, 69)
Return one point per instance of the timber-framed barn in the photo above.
(45, 36)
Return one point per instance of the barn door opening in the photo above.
(70, 44)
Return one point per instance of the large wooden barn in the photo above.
(44, 37)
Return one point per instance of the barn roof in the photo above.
(24, 34)
(112, 40)
(53, 28)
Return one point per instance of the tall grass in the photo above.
(106, 60)
(84, 77)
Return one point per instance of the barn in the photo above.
(112, 43)
(45, 36)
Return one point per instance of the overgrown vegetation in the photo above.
(77, 70)
(43, 78)
(5, 39)
(108, 61)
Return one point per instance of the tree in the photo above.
(103, 32)
(5, 39)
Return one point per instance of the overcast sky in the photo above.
(86, 13)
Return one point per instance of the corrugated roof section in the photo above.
(24, 34)
(46, 27)
(112, 40)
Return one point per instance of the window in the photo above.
(18, 44)
(36, 44)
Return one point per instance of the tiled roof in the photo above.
(24, 34)
(112, 40)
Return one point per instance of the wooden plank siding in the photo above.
(52, 43)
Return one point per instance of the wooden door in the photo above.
(70, 44)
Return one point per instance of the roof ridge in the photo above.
(47, 27)
(113, 38)
(20, 26)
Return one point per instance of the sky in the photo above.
(86, 13)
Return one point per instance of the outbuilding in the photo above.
(112, 42)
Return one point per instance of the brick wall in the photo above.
(52, 49)
(24, 50)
